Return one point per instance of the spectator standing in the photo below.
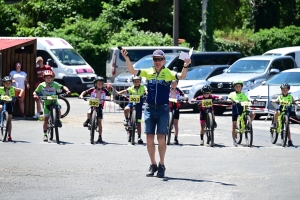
(39, 70)
(19, 80)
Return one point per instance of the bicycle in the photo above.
(4, 117)
(53, 117)
(244, 124)
(62, 101)
(95, 104)
(209, 125)
(282, 125)
(132, 123)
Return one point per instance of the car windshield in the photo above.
(199, 73)
(146, 62)
(68, 57)
(292, 78)
(249, 66)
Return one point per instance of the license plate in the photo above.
(259, 103)
(90, 85)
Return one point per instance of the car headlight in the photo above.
(207, 83)
(70, 70)
(186, 91)
(116, 79)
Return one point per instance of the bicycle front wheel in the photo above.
(170, 126)
(209, 130)
(55, 122)
(64, 106)
(50, 126)
(93, 126)
(273, 133)
(4, 127)
(284, 130)
(238, 137)
(133, 126)
(249, 131)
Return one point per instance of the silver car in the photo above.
(271, 89)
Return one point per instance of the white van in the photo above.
(286, 51)
(115, 62)
(69, 67)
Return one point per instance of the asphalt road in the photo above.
(75, 169)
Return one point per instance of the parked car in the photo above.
(286, 51)
(197, 76)
(270, 89)
(123, 80)
(252, 71)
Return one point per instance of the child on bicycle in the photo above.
(286, 97)
(176, 93)
(97, 92)
(206, 91)
(136, 89)
(236, 97)
(9, 90)
(48, 88)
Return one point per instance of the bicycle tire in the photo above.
(284, 130)
(133, 126)
(209, 130)
(238, 138)
(50, 125)
(170, 126)
(273, 133)
(5, 126)
(249, 131)
(93, 126)
(55, 122)
(64, 111)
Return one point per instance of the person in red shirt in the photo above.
(206, 90)
(39, 70)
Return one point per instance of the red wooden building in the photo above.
(23, 51)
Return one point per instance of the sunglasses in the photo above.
(158, 59)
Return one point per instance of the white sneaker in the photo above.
(36, 116)
(201, 142)
(234, 143)
(45, 138)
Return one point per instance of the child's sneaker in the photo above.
(45, 138)
(215, 124)
(176, 141)
(59, 124)
(234, 144)
(273, 125)
(36, 116)
(125, 123)
(140, 141)
(290, 143)
(201, 142)
(10, 139)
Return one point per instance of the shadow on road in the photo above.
(195, 180)
(18, 141)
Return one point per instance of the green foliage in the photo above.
(267, 39)
(257, 43)
(8, 16)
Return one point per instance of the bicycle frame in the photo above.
(2, 125)
(279, 121)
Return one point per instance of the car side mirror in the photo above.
(51, 63)
(225, 70)
(263, 82)
(175, 69)
(274, 71)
